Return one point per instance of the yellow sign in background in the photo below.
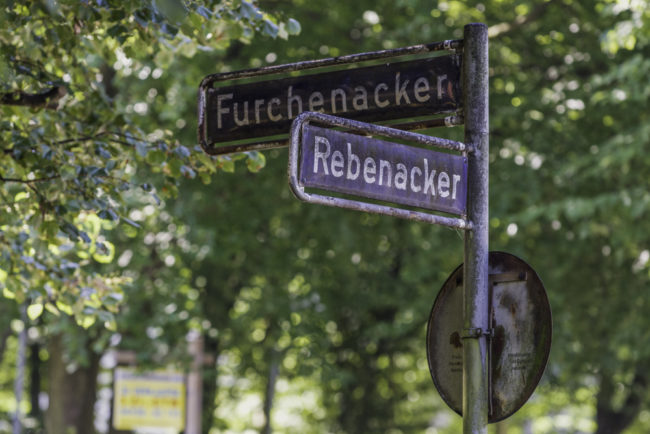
(148, 399)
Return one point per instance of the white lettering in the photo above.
(377, 102)
(293, 99)
(400, 91)
(316, 102)
(341, 93)
(420, 176)
(222, 110)
(383, 164)
(456, 181)
(443, 184)
(440, 79)
(421, 89)
(321, 155)
(337, 164)
(360, 100)
(269, 109)
(400, 177)
(428, 179)
(353, 159)
(369, 170)
(414, 170)
(258, 104)
(238, 121)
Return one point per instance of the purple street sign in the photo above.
(361, 166)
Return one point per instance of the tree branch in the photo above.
(48, 99)
(29, 181)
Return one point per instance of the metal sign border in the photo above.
(371, 129)
(208, 82)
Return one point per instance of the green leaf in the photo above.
(204, 12)
(227, 164)
(255, 161)
(84, 236)
(175, 168)
(49, 229)
(130, 222)
(182, 151)
(70, 230)
(107, 257)
(116, 30)
(34, 311)
(188, 172)
(63, 307)
(86, 321)
(249, 11)
(142, 148)
(155, 157)
(293, 27)
(270, 28)
(173, 10)
(52, 309)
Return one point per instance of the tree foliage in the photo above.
(76, 143)
(112, 215)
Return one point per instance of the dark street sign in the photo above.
(389, 91)
(371, 168)
(519, 338)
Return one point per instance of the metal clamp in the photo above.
(475, 333)
(450, 45)
(452, 121)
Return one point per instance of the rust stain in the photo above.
(454, 340)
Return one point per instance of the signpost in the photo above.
(329, 152)
(475, 295)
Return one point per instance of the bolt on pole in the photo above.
(475, 297)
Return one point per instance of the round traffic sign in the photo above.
(519, 339)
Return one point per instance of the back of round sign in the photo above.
(519, 338)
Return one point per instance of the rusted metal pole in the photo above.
(475, 298)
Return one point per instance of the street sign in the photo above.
(232, 108)
(370, 168)
(347, 163)
(519, 338)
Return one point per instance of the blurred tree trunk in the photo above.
(210, 373)
(35, 366)
(614, 420)
(71, 394)
(270, 395)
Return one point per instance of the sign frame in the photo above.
(328, 120)
(207, 84)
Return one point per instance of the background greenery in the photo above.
(117, 232)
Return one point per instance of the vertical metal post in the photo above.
(194, 385)
(19, 381)
(475, 279)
